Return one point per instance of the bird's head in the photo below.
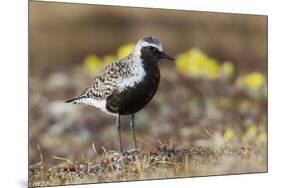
(150, 49)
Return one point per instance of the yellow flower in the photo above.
(227, 70)
(181, 64)
(92, 64)
(228, 135)
(196, 64)
(212, 69)
(255, 80)
(125, 50)
(108, 59)
(252, 81)
(251, 131)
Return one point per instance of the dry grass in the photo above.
(163, 162)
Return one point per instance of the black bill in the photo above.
(165, 56)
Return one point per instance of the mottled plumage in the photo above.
(110, 79)
(127, 85)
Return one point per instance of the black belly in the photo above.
(133, 99)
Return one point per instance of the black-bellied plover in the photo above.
(127, 85)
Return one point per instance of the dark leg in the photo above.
(132, 125)
(119, 132)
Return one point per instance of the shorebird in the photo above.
(124, 87)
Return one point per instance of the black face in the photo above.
(152, 54)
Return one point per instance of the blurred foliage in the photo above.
(262, 137)
(227, 70)
(228, 135)
(251, 81)
(108, 59)
(93, 64)
(251, 134)
(196, 64)
(124, 50)
(251, 131)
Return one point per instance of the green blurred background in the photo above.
(68, 44)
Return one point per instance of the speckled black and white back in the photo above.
(117, 77)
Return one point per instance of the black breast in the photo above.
(133, 99)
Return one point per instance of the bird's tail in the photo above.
(74, 99)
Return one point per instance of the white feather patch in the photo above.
(141, 43)
(137, 75)
(145, 44)
(100, 104)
